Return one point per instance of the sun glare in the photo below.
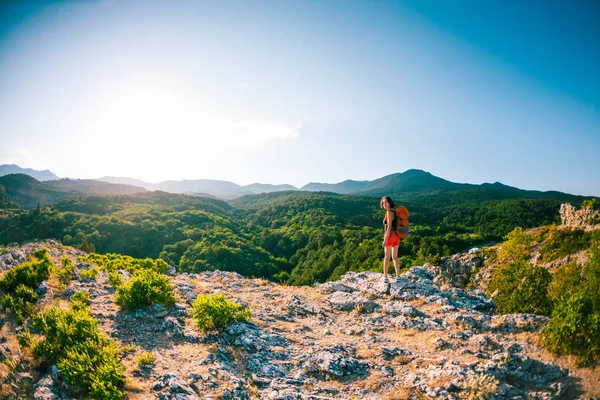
(148, 122)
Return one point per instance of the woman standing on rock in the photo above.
(391, 240)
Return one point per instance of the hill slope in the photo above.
(358, 337)
(28, 192)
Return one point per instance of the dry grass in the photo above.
(441, 381)
(283, 326)
(478, 387)
(368, 353)
(372, 383)
(403, 360)
(203, 286)
(401, 393)
(417, 302)
(317, 296)
(262, 282)
(358, 309)
(425, 362)
(134, 386)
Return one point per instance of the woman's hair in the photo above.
(389, 200)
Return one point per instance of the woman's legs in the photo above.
(386, 260)
(395, 258)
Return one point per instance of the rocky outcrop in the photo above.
(585, 218)
(417, 336)
(457, 270)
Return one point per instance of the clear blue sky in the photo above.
(299, 91)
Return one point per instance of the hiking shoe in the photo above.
(385, 279)
(398, 279)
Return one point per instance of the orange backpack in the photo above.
(402, 215)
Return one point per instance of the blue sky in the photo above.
(304, 91)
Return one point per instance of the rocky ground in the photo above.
(421, 336)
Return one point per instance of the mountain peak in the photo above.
(43, 175)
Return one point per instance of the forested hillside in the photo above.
(28, 192)
(297, 237)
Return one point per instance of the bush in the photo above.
(215, 312)
(22, 303)
(22, 281)
(86, 246)
(575, 325)
(113, 262)
(30, 274)
(144, 288)
(563, 242)
(517, 247)
(591, 203)
(98, 371)
(575, 329)
(522, 288)
(67, 270)
(85, 357)
(90, 273)
(80, 300)
(115, 279)
(146, 358)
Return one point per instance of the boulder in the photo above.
(337, 361)
(344, 301)
(457, 270)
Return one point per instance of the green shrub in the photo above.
(85, 357)
(575, 329)
(30, 274)
(575, 325)
(40, 254)
(80, 300)
(215, 312)
(90, 273)
(516, 247)
(86, 246)
(563, 242)
(67, 270)
(144, 288)
(281, 277)
(146, 358)
(99, 371)
(591, 203)
(522, 288)
(115, 279)
(21, 283)
(113, 262)
(22, 303)
(125, 349)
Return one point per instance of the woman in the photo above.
(391, 240)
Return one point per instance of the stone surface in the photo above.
(585, 218)
(355, 338)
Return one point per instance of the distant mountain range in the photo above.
(28, 192)
(45, 175)
(412, 184)
(222, 189)
(409, 180)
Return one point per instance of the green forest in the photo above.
(295, 237)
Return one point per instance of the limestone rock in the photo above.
(349, 301)
(456, 270)
(585, 218)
